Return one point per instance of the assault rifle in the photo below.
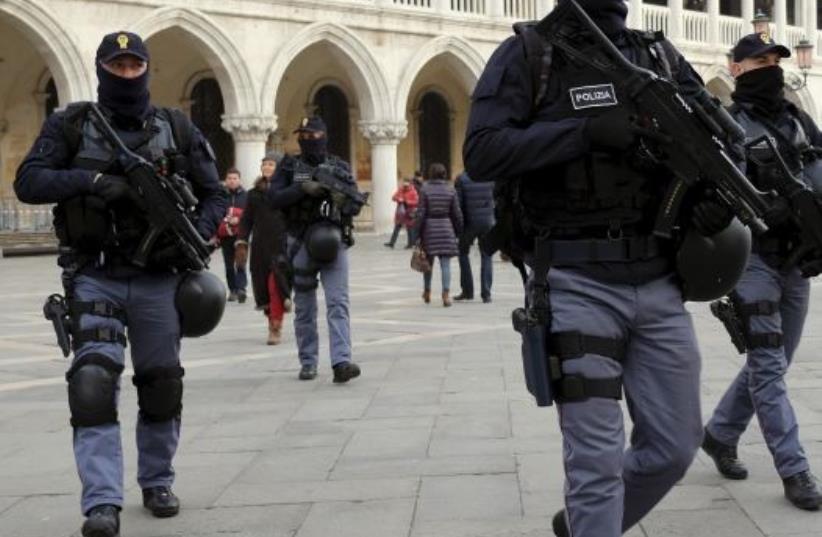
(697, 134)
(168, 203)
(343, 188)
(803, 203)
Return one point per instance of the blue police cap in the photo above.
(754, 45)
(121, 44)
(312, 124)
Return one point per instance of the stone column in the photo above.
(250, 135)
(495, 9)
(384, 138)
(747, 16)
(713, 23)
(635, 14)
(675, 19)
(809, 22)
(780, 18)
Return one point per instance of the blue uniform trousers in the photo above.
(154, 337)
(334, 280)
(466, 274)
(609, 489)
(760, 386)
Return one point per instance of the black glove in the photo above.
(778, 213)
(314, 189)
(612, 130)
(811, 267)
(111, 187)
(710, 217)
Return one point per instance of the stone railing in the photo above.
(655, 18)
(695, 26)
(521, 9)
(17, 216)
(731, 30)
(793, 35)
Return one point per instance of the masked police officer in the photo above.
(771, 298)
(99, 224)
(319, 235)
(553, 125)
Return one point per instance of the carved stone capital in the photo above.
(249, 128)
(384, 132)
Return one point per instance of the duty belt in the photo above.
(603, 250)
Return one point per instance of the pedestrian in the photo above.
(227, 235)
(602, 299)
(439, 221)
(772, 297)
(319, 225)
(477, 203)
(264, 228)
(406, 198)
(100, 222)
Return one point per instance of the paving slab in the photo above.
(438, 438)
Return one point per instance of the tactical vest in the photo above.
(600, 194)
(308, 210)
(799, 159)
(86, 223)
(776, 244)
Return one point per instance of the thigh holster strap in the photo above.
(574, 388)
(102, 334)
(99, 308)
(569, 345)
(763, 307)
(770, 340)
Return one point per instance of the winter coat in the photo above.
(477, 203)
(407, 200)
(237, 200)
(439, 218)
(266, 227)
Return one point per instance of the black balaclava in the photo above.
(609, 15)
(314, 150)
(764, 88)
(127, 99)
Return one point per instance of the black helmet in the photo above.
(710, 267)
(323, 244)
(200, 302)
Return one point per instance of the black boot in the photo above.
(346, 371)
(102, 521)
(558, 524)
(463, 296)
(724, 457)
(161, 502)
(802, 490)
(308, 372)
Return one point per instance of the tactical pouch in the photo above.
(87, 223)
(541, 370)
(323, 241)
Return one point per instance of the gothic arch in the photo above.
(56, 45)
(222, 54)
(469, 63)
(373, 97)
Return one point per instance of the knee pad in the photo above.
(92, 390)
(160, 393)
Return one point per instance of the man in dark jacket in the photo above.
(477, 203)
(609, 311)
(319, 233)
(100, 222)
(772, 298)
(235, 275)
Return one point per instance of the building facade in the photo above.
(392, 78)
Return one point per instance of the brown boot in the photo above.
(274, 332)
(426, 297)
(446, 300)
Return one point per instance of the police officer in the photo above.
(99, 226)
(771, 298)
(569, 141)
(318, 241)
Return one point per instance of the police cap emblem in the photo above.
(122, 40)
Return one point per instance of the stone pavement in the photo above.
(438, 438)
